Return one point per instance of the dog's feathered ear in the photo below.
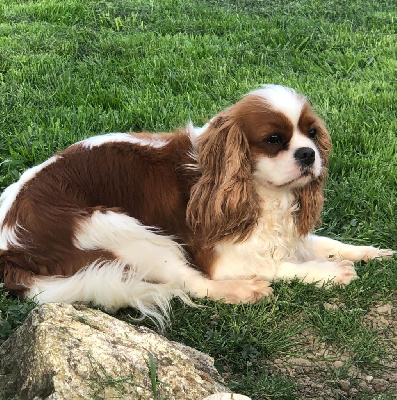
(223, 203)
(311, 198)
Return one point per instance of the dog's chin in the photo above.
(296, 183)
(302, 181)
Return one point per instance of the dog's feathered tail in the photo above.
(113, 285)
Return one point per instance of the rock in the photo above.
(302, 362)
(363, 386)
(353, 392)
(338, 364)
(344, 385)
(61, 353)
(227, 396)
(385, 309)
(392, 378)
(382, 322)
(379, 385)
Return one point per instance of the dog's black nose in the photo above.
(305, 156)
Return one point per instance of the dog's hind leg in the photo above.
(158, 258)
(147, 271)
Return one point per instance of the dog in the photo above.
(221, 211)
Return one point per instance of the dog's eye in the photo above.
(312, 133)
(274, 139)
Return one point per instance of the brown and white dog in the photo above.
(220, 211)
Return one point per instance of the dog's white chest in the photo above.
(273, 241)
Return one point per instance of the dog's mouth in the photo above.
(307, 172)
(303, 179)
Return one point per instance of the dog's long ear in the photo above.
(223, 203)
(311, 197)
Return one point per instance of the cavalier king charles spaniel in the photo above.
(221, 211)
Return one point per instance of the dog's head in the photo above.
(270, 139)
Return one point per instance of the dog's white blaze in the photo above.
(99, 140)
(282, 99)
(9, 234)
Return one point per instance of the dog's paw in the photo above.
(366, 253)
(381, 254)
(340, 272)
(246, 291)
(344, 272)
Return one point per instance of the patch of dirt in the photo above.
(326, 372)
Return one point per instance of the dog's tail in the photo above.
(113, 285)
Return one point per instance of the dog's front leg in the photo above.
(320, 271)
(323, 247)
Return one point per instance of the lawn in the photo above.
(71, 69)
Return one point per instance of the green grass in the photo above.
(72, 69)
(12, 313)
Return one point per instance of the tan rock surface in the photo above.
(64, 353)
